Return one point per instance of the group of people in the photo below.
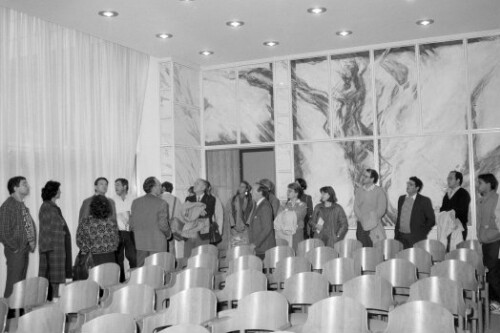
(110, 229)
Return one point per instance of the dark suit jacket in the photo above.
(422, 217)
(459, 202)
(261, 230)
(209, 201)
(85, 209)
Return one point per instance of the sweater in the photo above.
(459, 202)
(370, 206)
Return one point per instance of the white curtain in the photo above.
(70, 107)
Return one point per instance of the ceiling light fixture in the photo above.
(206, 53)
(108, 13)
(344, 33)
(271, 43)
(235, 24)
(425, 22)
(316, 10)
(164, 35)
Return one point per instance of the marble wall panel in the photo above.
(487, 153)
(167, 163)
(337, 164)
(282, 114)
(166, 76)
(220, 106)
(166, 109)
(187, 166)
(186, 85)
(282, 72)
(282, 181)
(443, 86)
(396, 91)
(187, 125)
(284, 159)
(352, 94)
(484, 81)
(256, 102)
(430, 158)
(167, 131)
(311, 115)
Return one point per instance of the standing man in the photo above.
(370, 205)
(149, 221)
(203, 195)
(457, 199)
(126, 245)
(174, 211)
(261, 229)
(415, 215)
(100, 188)
(17, 232)
(488, 226)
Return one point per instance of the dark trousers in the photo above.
(103, 258)
(363, 236)
(408, 240)
(126, 248)
(17, 267)
(491, 261)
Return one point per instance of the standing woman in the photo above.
(55, 240)
(309, 203)
(240, 207)
(329, 222)
(289, 223)
(98, 233)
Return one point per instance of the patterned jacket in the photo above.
(97, 235)
(12, 226)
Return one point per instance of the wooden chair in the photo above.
(165, 260)
(389, 247)
(420, 317)
(289, 266)
(190, 306)
(368, 258)
(340, 270)
(307, 245)
(4, 310)
(185, 328)
(434, 247)
(205, 248)
(79, 295)
(106, 275)
(319, 256)
(346, 247)
(372, 291)
(420, 258)
(238, 251)
(240, 284)
(306, 288)
(245, 262)
(153, 276)
(43, 320)
(204, 260)
(471, 244)
(336, 314)
(277, 253)
(111, 323)
(28, 294)
(401, 274)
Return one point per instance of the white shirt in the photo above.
(123, 207)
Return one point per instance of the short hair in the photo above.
(50, 190)
(122, 181)
(148, 185)
(297, 188)
(489, 178)
(302, 183)
(373, 175)
(167, 186)
(191, 190)
(263, 189)
(418, 183)
(269, 184)
(458, 176)
(100, 178)
(331, 192)
(100, 208)
(14, 182)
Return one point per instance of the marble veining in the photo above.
(167, 161)
(282, 73)
(187, 125)
(187, 166)
(487, 153)
(167, 131)
(186, 85)
(165, 76)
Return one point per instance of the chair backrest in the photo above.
(185, 328)
(419, 257)
(43, 320)
(4, 310)
(420, 317)
(106, 275)
(205, 248)
(336, 314)
(165, 260)
(135, 300)
(205, 260)
(401, 273)
(29, 293)
(190, 306)
(340, 270)
(471, 244)
(248, 261)
(439, 290)
(153, 276)
(346, 247)
(389, 247)
(469, 256)
(111, 323)
(290, 266)
(367, 258)
(275, 254)
(307, 245)
(373, 291)
(306, 288)
(319, 256)
(238, 251)
(434, 247)
(458, 271)
(79, 295)
(242, 283)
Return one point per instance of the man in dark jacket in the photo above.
(457, 198)
(261, 230)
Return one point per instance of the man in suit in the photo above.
(100, 188)
(415, 215)
(149, 221)
(261, 230)
(457, 198)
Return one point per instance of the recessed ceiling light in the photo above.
(186, 0)
(108, 13)
(271, 43)
(344, 33)
(316, 10)
(235, 24)
(164, 35)
(206, 53)
(425, 22)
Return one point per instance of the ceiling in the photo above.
(200, 24)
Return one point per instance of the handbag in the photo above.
(83, 263)
(214, 234)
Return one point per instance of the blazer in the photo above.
(261, 230)
(459, 202)
(422, 217)
(150, 224)
(85, 209)
(209, 202)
